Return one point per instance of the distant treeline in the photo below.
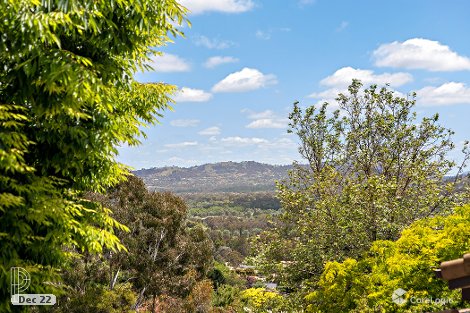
(252, 200)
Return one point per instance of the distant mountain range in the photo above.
(248, 176)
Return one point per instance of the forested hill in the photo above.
(245, 176)
(248, 176)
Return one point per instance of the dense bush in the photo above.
(367, 285)
(261, 300)
(100, 299)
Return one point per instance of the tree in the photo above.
(200, 298)
(372, 169)
(367, 285)
(67, 100)
(165, 257)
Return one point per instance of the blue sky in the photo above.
(244, 62)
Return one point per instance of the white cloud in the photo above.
(328, 95)
(343, 77)
(243, 141)
(257, 115)
(419, 53)
(182, 144)
(218, 60)
(186, 94)
(169, 63)
(263, 35)
(446, 94)
(227, 6)
(267, 123)
(184, 123)
(265, 119)
(212, 43)
(245, 80)
(211, 131)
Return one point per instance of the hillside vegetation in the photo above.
(216, 177)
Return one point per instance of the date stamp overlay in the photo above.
(19, 284)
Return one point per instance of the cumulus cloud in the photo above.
(445, 94)
(226, 6)
(243, 141)
(344, 76)
(328, 95)
(265, 119)
(211, 131)
(219, 60)
(182, 144)
(267, 123)
(167, 63)
(184, 123)
(419, 53)
(256, 115)
(213, 43)
(245, 80)
(186, 94)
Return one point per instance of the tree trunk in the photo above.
(154, 302)
(138, 302)
(114, 279)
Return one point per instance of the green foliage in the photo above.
(221, 275)
(231, 203)
(233, 219)
(100, 299)
(366, 285)
(217, 277)
(217, 210)
(227, 296)
(67, 100)
(164, 256)
(373, 169)
(259, 300)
